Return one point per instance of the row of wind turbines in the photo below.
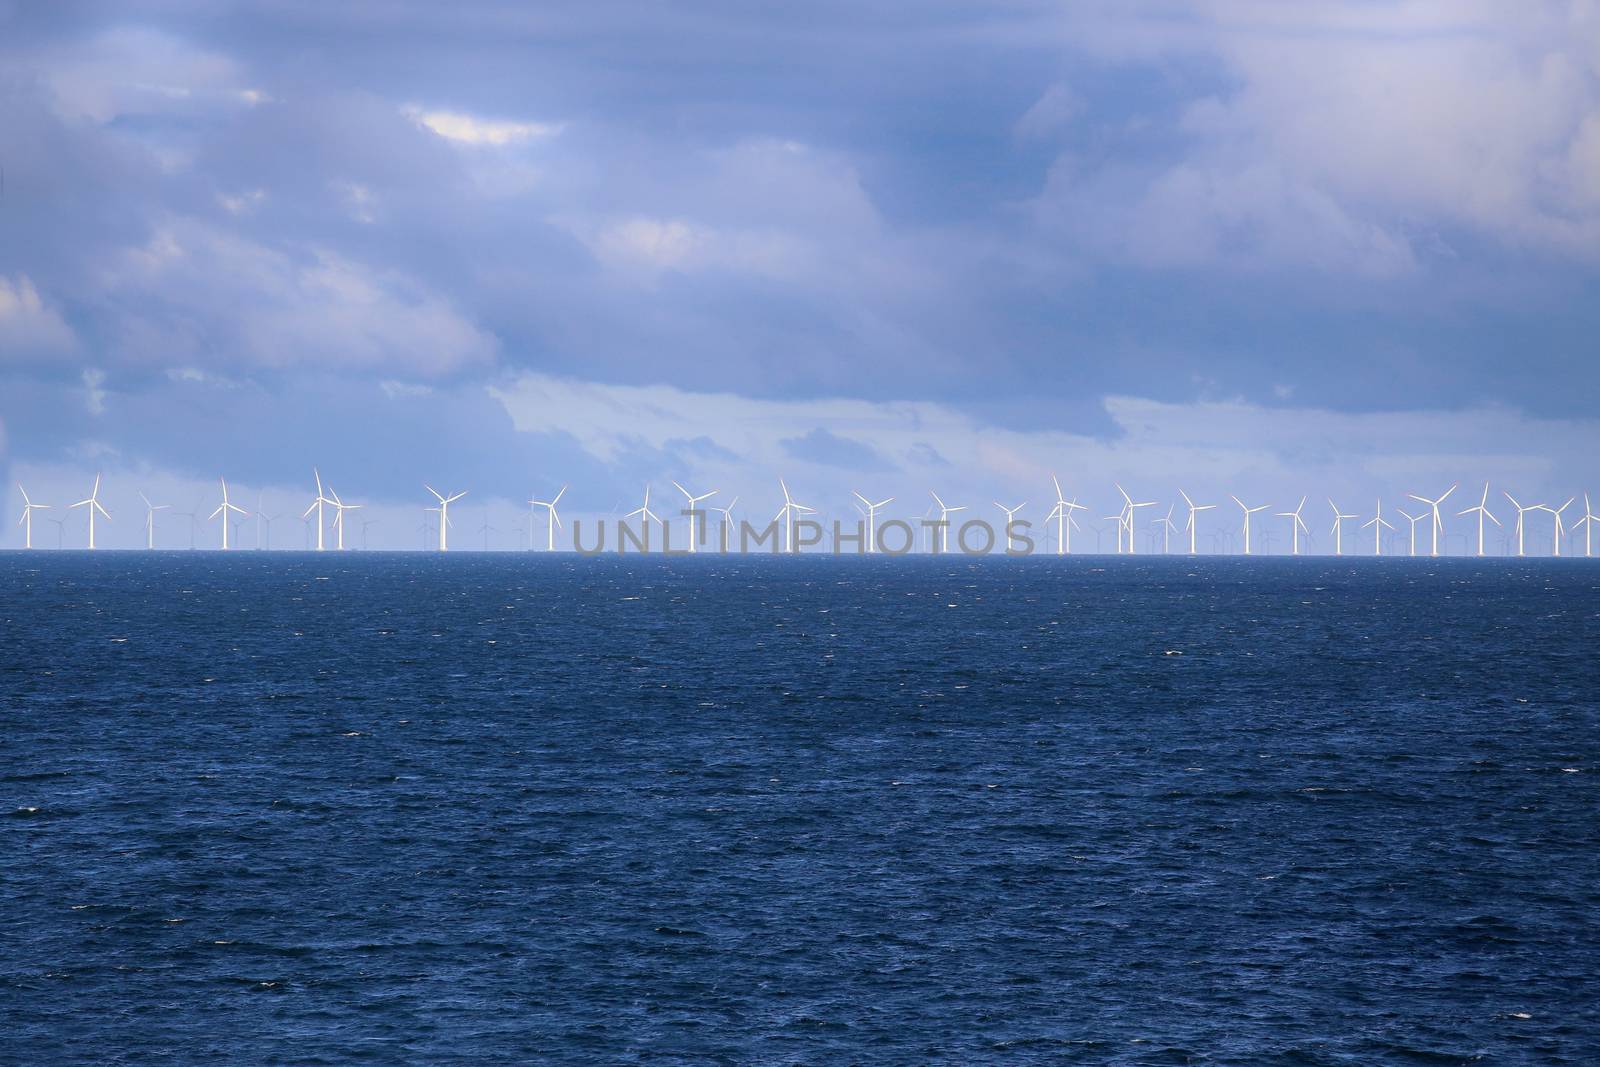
(1062, 514)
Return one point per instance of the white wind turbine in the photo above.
(697, 530)
(1296, 525)
(150, 520)
(1065, 523)
(339, 508)
(317, 505)
(1521, 511)
(1166, 533)
(552, 520)
(727, 521)
(443, 509)
(790, 511)
(1378, 524)
(1338, 527)
(1438, 524)
(93, 504)
(1247, 513)
(1560, 527)
(872, 517)
(1128, 510)
(222, 510)
(1191, 525)
(29, 507)
(1587, 522)
(645, 515)
(1483, 512)
(945, 511)
(1011, 514)
(1414, 519)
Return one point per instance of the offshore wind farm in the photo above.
(870, 527)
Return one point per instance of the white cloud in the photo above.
(468, 129)
(1214, 447)
(94, 398)
(29, 326)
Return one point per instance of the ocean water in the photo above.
(283, 808)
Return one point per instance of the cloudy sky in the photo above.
(1328, 248)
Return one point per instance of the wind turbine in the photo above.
(1191, 525)
(1128, 510)
(264, 527)
(1378, 525)
(1483, 512)
(444, 515)
(788, 513)
(1560, 527)
(1247, 513)
(646, 515)
(1587, 522)
(945, 511)
(1521, 511)
(1338, 527)
(1166, 533)
(1062, 513)
(150, 520)
(552, 521)
(872, 518)
(697, 530)
(1296, 526)
(29, 507)
(1438, 524)
(223, 509)
(316, 505)
(727, 521)
(1011, 514)
(93, 504)
(364, 524)
(1414, 519)
(339, 508)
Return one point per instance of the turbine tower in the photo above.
(1011, 514)
(1296, 525)
(872, 517)
(551, 521)
(150, 520)
(1521, 511)
(1248, 511)
(1191, 525)
(316, 505)
(29, 507)
(1065, 523)
(93, 504)
(1378, 524)
(1338, 527)
(339, 508)
(1560, 527)
(645, 515)
(727, 521)
(945, 511)
(1483, 512)
(1166, 533)
(1414, 519)
(1437, 526)
(788, 513)
(1587, 522)
(1128, 510)
(223, 509)
(443, 509)
(697, 530)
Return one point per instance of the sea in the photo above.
(486, 808)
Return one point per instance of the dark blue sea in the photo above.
(396, 809)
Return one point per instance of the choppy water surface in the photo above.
(411, 809)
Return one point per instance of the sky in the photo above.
(1343, 250)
